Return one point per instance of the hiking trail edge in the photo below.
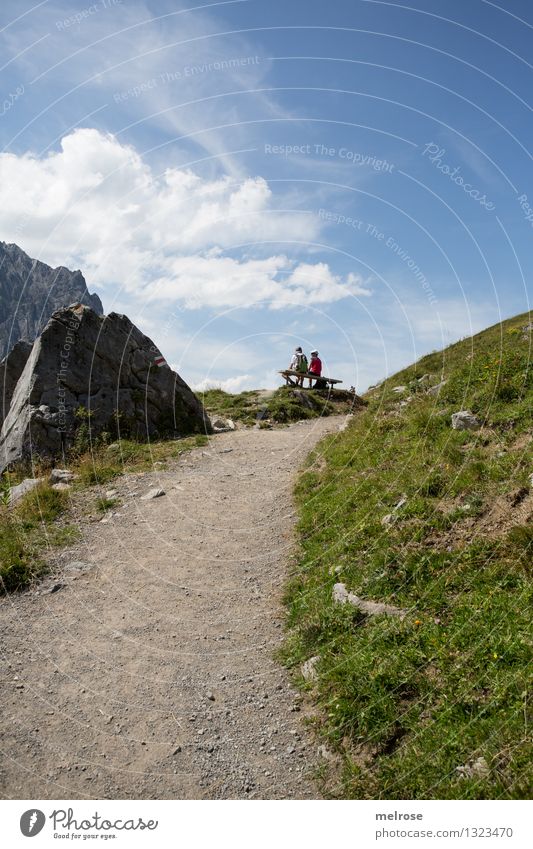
(144, 666)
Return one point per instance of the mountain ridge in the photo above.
(31, 291)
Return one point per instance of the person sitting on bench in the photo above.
(299, 364)
(315, 367)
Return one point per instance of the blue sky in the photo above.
(242, 177)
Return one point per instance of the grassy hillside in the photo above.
(434, 705)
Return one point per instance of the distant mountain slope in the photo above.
(30, 291)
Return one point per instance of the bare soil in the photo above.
(144, 666)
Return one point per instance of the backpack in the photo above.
(302, 363)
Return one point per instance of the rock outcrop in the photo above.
(30, 291)
(87, 374)
(465, 420)
(22, 489)
(11, 368)
(370, 608)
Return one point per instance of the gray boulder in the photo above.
(11, 368)
(222, 425)
(98, 373)
(309, 670)
(370, 608)
(435, 390)
(389, 519)
(27, 485)
(465, 420)
(61, 476)
(477, 768)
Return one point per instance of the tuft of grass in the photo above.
(95, 469)
(26, 531)
(242, 407)
(520, 539)
(42, 505)
(105, 504)
(404, 703)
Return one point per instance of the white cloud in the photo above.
(96, 204)
(231, 384)
(317, 282)
(275, 281)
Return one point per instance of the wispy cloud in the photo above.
(180, 72)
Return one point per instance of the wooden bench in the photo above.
(289, 374)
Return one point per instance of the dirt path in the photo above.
(150, 673)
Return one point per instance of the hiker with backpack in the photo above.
(299, 365)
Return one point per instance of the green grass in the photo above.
(404, 703)
(242, 407)
(31, 528)
(105, 504)
(27, 531)
(284, 405)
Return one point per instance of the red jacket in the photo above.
(315, 366)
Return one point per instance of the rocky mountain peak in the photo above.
(31, 291)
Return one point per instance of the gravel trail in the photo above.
(150, 672)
